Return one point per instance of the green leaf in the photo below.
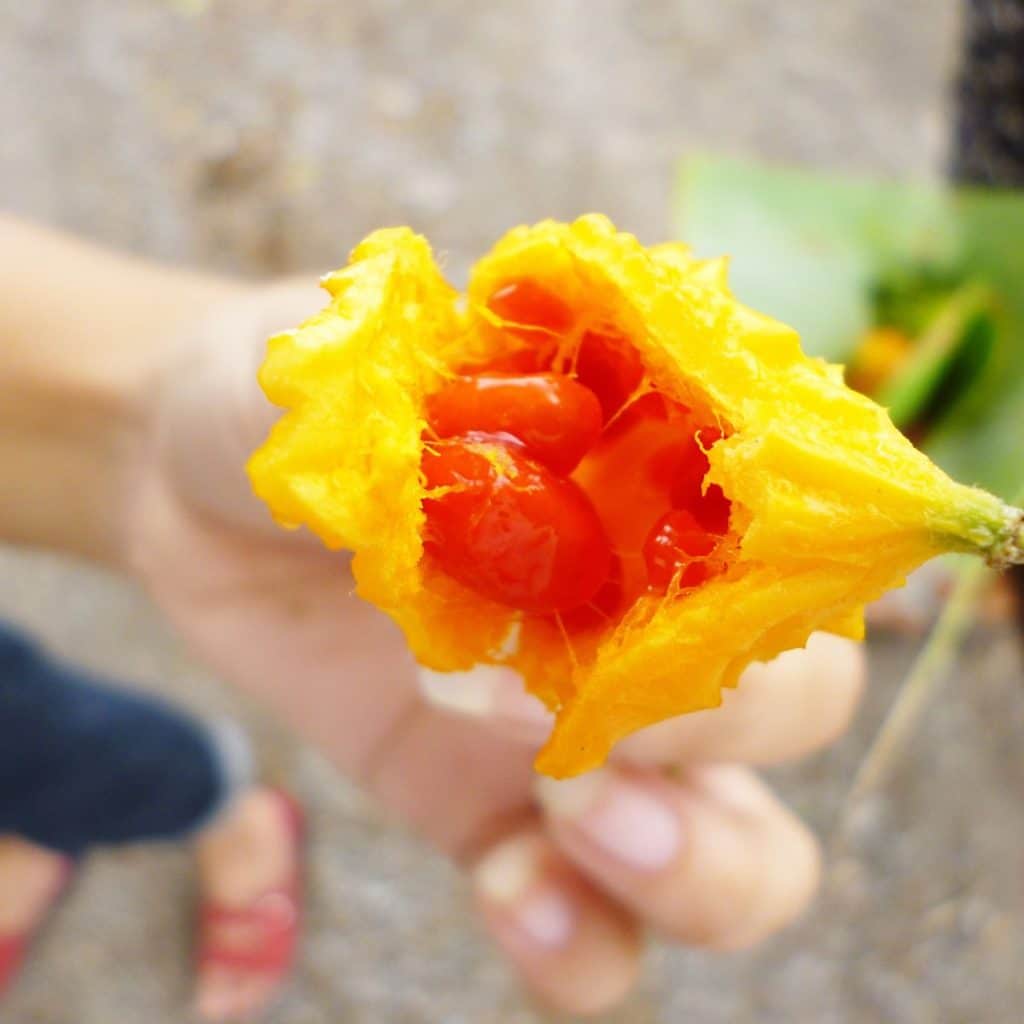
(809, 249)
(835, 256)
(950, 355)
(982, 441)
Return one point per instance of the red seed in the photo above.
(713, 510)
(710, 507)
(510, 529)
(688, 480)
(677, 544)
(650, 406)
(557, 419)
(528, 309)
(608, 364)
(603, 608)
(534, 358)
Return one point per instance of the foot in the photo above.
(250, 852)
(31, 878)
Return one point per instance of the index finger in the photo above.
(781, 709)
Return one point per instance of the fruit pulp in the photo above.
(559, 481)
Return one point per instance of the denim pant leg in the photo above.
(83, 763)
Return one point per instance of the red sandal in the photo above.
(273, 918)
(14, 948)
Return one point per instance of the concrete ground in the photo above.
(268, 135)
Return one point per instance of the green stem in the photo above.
(932, 664)
(1010, 549)
(930, 667)
(910, 394)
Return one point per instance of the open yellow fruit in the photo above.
(830, 504)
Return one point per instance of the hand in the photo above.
(675, 835)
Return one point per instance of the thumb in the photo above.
(212, 414)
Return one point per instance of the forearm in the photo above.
(83, 332)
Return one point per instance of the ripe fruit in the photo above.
(529, 309)
(678, 544)
(805, 547)
(710, 507)
(510, 529)
(502, 516)
(713, 509)
(557, 419)
(603, 608)
(609, 365)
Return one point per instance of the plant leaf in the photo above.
(950, 354)
(835, 256)
(807, 248)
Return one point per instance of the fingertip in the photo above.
(791, 884)
(835, 670)
(819, 687)
(789, 860)
(824, 655)
(782, 709)
(710, 859)
(844, 656)
(575, 951)
(491, 693)
(462, 693)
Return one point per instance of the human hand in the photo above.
(675, 835)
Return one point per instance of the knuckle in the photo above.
(847, 672)
(777, 900)
(753, 897)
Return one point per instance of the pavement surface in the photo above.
(264, 136)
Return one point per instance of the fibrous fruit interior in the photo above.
(560, 482)
(629, 583)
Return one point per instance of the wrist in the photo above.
(84, 335)
(62, 449)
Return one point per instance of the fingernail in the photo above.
(511, 879)
(213, 1004)
(519, 712)
(488, 691)
(620, 816)
(465, 693)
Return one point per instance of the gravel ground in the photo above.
(262, 137)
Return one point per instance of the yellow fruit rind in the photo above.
(831, 504)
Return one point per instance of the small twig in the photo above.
(930, 668)
(1010, 551)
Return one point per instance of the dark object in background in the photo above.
(84, 764)
(989, 129)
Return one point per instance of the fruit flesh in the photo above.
(557, 419)
(611, 472)
(509, 528)
(805, 551)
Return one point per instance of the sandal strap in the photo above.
(12, 953)
(11, 946)
(273, 921)
(14, 946)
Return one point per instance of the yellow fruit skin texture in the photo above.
(831, 504)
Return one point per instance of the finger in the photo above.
(711, 860)
(494, 695)
(575, 950)
(781, 709)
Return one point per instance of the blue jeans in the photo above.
(83, 763)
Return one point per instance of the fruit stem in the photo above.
(1010, 548)
(929, 669)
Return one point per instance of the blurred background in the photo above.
(267, 136)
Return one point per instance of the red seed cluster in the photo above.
(504, 514)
